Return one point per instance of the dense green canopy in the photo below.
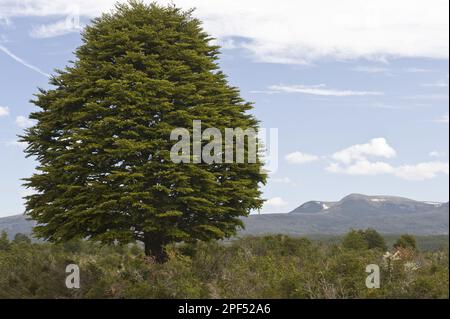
(102, 136)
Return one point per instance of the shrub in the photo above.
(251, 267)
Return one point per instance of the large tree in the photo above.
(102, 136)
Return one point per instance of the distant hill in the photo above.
(16, 224)
(386, 214)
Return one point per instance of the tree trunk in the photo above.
(155, 247)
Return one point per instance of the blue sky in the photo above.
(358, 92)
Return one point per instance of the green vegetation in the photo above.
(364, 239)
(406, 241)
(250, 267)
(103, 137)
(424, 242)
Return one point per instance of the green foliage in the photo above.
(364, 239)
(406, 241)
(251, 267)
(4, 241)
(424, 242)
(21, 238)
(374, 239)
(103, 136)
(354, 239)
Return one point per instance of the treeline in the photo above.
(251, 267)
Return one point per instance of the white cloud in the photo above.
(4, 111)
(419, 70)
(353, 161)
(227, 44)
(4, 22)
(42, 8)
(274, 205)
(438, 84)
(24, 122)
(436, 154)
(361, 167)
(443, 119)
(300, 158)
(21, 61)
(415, 172)
(320, 89)
(376, 147)
(427, 97)
(62, 27)
(443, 83)
(275, 202)
(299, 31)
(381, 105)
(371, 69)
(283, 180)
(422, 171)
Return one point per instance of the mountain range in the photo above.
(386, 214)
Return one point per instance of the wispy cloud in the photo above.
(4, 111)
(56, 29)
(443, 119)
(426, 97)
(372, 69)
(228, 43)
(3, 38)
(318, 90)
(419, 70)
(361, 167)
(386, 106)
(24, 122)
(23, 62)
(300, 158)
(437, 154)
(437, 84)
(283, 180)
(4, 21)
(299, 31)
